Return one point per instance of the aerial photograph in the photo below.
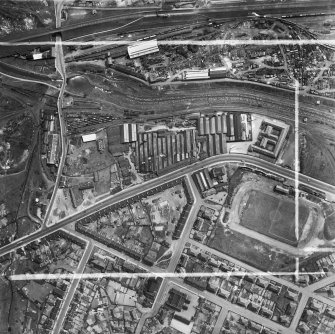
(167, 166)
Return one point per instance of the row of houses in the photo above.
(186, 211)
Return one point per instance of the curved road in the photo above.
(128, 193)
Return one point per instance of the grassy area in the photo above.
(5, 301)
(79, 85)
(250, 251)
(11, 187)
(329, 228)
(15, 143)
(15, 191)
(273, 216)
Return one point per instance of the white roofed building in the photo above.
(37, 56)
(89, 137)
(196, 74)
(128, 133)
(142, 48)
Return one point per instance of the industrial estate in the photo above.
(167, 167)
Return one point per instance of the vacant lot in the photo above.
(273, 216)
(318, 156)
(249, 250)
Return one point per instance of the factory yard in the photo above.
(87, 157)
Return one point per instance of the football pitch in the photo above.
(273, 216)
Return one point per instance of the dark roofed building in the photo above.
(176, 300)
(151, 287)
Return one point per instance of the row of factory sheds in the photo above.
(163, 149)
(236, 126)
(203, 180)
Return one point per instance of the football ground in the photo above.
(273, 216)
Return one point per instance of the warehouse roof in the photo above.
(142, 48)
(89, 137)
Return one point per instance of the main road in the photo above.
(154, 183)
(60, 66)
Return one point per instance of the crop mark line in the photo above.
(296, 169)
(232, 42)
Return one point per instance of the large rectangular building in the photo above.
(196, 74)
(142, 48)
(52, 158)
(89, 137)
(271, 138)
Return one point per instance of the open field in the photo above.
(318, 156)
(273, 216)
(250, 251)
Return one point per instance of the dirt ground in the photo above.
(84, 158)
(318, 160)
(287, 157)
(250, 251)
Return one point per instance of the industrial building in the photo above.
(271, 138)
(128, 133)
(282, 190)
(162, 149)
(195, 74)
(235, 126)
(39, 54)
(142, 48)
(52, 156)
(203, 180)
(89, 137)
(219, 72)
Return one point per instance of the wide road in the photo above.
(128, 193)
(72, 289)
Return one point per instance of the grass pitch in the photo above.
(273, 216)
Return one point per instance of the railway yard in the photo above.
(167, 167)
